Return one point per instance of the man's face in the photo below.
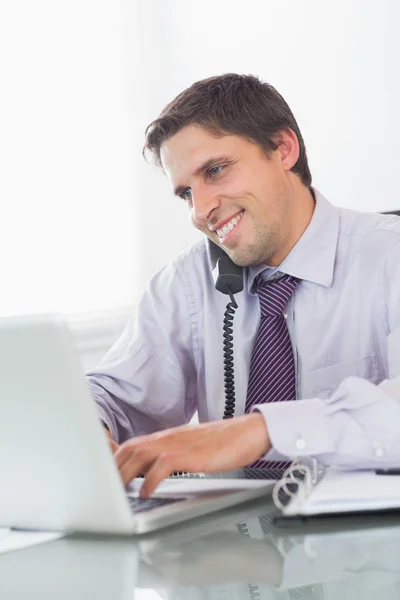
(236, 195)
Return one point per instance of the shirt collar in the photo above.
(313, 257)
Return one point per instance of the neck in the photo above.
(302, 209)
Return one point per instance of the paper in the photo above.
(351, 491)
(13, 540)
(172, 487)
(3, 533)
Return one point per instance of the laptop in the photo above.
(57, 471)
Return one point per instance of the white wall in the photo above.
(68, 184)
(336, 63)
(84, 221)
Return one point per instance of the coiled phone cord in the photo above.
(228, 370)
(228, 357)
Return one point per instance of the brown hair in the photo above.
(230, 104)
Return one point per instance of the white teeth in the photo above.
(229, 226)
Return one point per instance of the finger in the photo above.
(136, 462)
(124, 453)
(165, 465)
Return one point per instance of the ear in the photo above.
(289, 148)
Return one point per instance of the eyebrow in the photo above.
(210, 162)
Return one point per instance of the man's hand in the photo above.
(218, 446)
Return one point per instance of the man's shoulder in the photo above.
(187, 274)
(192, 254)
(374, 228)
(190, 264)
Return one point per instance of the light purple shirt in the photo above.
(344, 324)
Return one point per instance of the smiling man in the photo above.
(238, 195)
(317, 329)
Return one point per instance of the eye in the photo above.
(214, 171)
(186, 194)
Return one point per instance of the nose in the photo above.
(203, 204)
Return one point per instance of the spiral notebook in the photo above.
(308, 489)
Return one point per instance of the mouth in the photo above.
(229, 227)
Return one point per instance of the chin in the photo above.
(247, 258)
(242, 260)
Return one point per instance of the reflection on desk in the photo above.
(234, 555)
(70, 569)
(241, 555)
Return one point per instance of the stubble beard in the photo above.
(260, 250)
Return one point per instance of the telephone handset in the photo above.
(227, 276)
(228, 279)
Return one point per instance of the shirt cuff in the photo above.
(297, 428)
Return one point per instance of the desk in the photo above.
(236, 554)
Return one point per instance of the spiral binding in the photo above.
(228, 358)
(179, 474)
(242, 528)
(296, 484)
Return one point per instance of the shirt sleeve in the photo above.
(358, 426)
(147, 381)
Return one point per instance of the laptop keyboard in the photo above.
(142, 504)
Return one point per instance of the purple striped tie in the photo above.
(272, 371)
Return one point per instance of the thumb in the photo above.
(114, 446)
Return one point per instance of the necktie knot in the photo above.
(275, 294)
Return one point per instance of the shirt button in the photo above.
(300, 444)
(379, 452)
(285, 315)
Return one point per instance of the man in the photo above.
(317, 329)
